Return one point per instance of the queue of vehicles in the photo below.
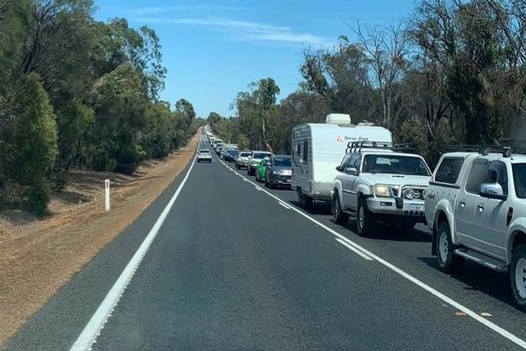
(474, 202)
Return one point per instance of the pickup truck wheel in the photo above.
(339, 216)
(447, 261)
(518, 276)
(364, 219)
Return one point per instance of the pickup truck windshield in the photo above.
(519, 179)
(393, 164)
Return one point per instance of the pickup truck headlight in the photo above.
(381, 191)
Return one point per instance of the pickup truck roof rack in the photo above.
(357, 146)
(507, 148)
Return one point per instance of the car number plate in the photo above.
(417, 207)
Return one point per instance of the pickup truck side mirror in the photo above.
(351, 170)
(492, 191)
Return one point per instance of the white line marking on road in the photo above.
(258, 188)
(284, 205)
(513, 338)
(89, 335)
(356, 251)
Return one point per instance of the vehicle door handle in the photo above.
(480, 208)
(462, 204)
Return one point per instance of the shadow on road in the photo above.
(478, 278)
(392, 233)
(316, 208)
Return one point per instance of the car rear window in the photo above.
(204, 151)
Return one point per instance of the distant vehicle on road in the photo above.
(317, 148)
(242, 159)
(261, 169)
(231, 155)
(219, 148)
(278, 171)
(255, 158)
(204, 155)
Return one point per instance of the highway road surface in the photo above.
(219, 262)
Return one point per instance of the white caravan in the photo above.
(317, 148)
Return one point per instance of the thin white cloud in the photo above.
(155, 10)
(246, 31)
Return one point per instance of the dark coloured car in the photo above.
(279, 171)
(231, 155)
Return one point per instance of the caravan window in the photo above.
(305, 151)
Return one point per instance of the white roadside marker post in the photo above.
(107, 194)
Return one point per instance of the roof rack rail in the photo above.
(404, 147)
(357, 146)
(508, 147)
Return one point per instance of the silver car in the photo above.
(242, 159)
(204, 155)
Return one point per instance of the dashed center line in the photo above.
(356, 251)
(284, 205)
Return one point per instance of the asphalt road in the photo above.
(236, 266)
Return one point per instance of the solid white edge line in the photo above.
(284, 205)
(92, 330)
(356, 251)
(513, 338)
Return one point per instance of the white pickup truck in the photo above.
(476, 207)
(379, 184)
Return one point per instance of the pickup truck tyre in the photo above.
(364, 219)
(518, 277)
(339, 217)
(447, 261)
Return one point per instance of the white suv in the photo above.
(377, 184)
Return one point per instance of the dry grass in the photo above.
(38, 257)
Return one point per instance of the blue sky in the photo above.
(214, 49)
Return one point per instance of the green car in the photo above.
(261, 169)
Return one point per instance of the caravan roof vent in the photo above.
(338, 118)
